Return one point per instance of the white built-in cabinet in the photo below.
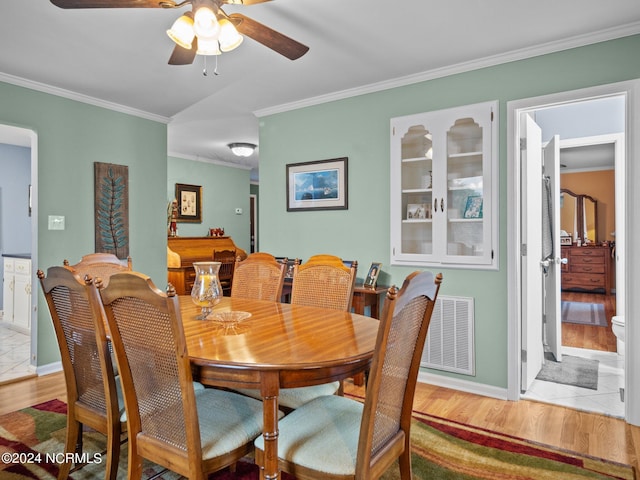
(16, 300)
(444, 182)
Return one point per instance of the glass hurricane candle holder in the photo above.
(206, 291)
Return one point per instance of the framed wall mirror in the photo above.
(579, 216)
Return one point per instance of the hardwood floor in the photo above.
(585, 336)
(587, 433)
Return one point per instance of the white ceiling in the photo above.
(120, 56)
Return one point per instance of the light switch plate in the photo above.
(56, 222)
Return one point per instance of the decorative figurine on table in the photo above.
(172, 218)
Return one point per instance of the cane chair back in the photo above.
(100, 265)
(259, 277)
(373, 435)
(92, 388)
(191, 432)
(324, 281)
(227, 259)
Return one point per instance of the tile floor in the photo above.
(15, 349)
(605, 400)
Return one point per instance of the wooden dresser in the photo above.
(183, 251)
(587, 268)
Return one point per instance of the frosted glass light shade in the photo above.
(242, 149)
(208, 46)
(182, 31)
(229, 36)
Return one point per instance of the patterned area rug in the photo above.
(583, 313)
(442, 450)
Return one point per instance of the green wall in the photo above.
(71, 137)
(223, 190)
(358, 128)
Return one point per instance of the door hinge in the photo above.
(492, 115)
(393, 131)
(523, 144)
(523, 356)
(491, 254)
(523, 250)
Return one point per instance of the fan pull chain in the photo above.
(204, 70)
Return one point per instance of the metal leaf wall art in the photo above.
(111, 207)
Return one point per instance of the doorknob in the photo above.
(563, 261)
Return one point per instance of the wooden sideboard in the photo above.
(183, 251)
(587, 268)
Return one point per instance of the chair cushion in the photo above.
(296, 397)
(227, 420)
(321, 435)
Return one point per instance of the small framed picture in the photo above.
(418, 211)
(566, 240)
(473, 208)
(189, 199)
(372, 276)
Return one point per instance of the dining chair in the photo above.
(227, 258)
(260, 276)
(191, 432)
(101, 265)
(341, 438)
(322, 281)
(94, 398)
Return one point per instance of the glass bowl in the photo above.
(230, 317)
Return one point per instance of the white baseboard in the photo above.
(49, 368)
(463, 385)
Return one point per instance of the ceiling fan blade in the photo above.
(182, 56)
(268, 37)
(111, 3)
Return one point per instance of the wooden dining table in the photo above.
(278, 346)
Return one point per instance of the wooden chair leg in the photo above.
(73, 443)
(405, 464)
(113, 454)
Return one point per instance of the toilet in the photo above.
(617, 324)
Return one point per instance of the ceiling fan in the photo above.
(206, 29)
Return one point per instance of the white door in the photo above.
(552, 322)
(531, 254)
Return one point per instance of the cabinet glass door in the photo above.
(417, 191)
(465, 189)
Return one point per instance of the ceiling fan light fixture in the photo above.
(242, 149)
(229, 37)
(181, 32)
(205, 23)
(208, 46)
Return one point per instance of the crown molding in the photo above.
(199, 158)
(61, 92)
(490, 61)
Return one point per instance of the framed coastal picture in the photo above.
(318, 185)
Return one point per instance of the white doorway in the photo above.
(18, 346)
(518, 310)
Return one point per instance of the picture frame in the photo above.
(566, 240)
(372, 275)
(473, 208)
(418, 211)
(317, 185)
(189, 199)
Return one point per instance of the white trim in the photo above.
(49, 368)
(61, 92)
(462, 385)
(514, 109)
(199, 158)
(521, 54)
